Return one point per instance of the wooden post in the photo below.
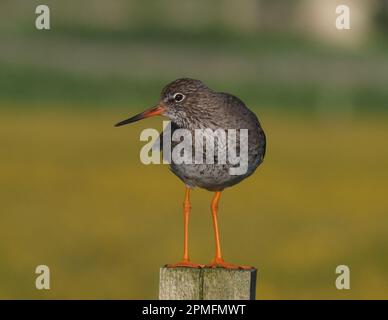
(207, 284)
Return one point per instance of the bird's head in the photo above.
(182, 101)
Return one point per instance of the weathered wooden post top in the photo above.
(207, 284)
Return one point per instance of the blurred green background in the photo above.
(75, 196)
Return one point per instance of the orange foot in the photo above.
(220, 263)
(186, 264)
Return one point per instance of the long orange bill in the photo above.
(146, 114)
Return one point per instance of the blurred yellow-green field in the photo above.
(75, 196)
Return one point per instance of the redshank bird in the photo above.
(190, 104)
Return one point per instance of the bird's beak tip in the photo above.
(158, 110)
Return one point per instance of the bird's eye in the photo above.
(178, 97)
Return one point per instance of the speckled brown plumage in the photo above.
(205, 108)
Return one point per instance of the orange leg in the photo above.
(186, 213)
(218, 261)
